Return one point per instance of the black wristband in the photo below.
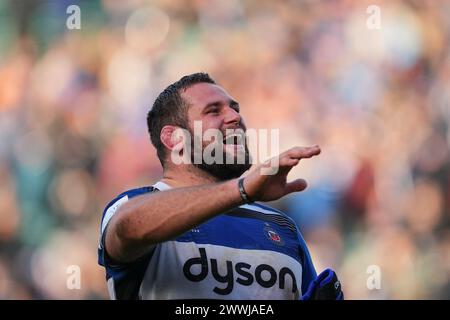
(244, 194)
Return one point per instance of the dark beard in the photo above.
(224, 171)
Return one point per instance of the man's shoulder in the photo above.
(130, 193)
(263, 208)
(120, 199)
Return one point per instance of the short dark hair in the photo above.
(169, 108)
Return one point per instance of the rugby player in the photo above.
(201, 231)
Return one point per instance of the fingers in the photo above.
(287, 161)
(282, 164)
(246, 173)
(303, 152)
(292, 157)
(296, 186)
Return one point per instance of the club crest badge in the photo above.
(273, 236)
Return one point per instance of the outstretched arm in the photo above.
(146, 220)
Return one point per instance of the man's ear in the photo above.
(173, 137)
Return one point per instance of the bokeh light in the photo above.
(73, 135)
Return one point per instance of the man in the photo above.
(198, 233)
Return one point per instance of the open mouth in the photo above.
(234, 139)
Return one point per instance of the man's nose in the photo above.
(232, 116)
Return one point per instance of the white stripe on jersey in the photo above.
(259, 209)
(111, 289)
(161, 186)
(112, 210)
(165, 276)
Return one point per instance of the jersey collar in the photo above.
(161, 186)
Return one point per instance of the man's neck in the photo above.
(189, 175)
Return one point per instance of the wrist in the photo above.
(232, 189)
(242, 191)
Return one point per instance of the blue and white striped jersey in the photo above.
(250, 252)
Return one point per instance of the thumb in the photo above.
(252, 168)
(296, 186)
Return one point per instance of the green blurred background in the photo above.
(73, 133)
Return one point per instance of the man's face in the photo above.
(218, 113)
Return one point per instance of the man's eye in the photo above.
(213, 110)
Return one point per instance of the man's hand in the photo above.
(263, 187)
(325, 287)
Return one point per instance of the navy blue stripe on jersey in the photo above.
(127, 276)
(275, 218)
(309, 272)
(244, 232)
(271, 211)
(262, 206)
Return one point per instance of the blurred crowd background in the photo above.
(73, 132)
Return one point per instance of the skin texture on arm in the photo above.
(160, 216)
(150, 219)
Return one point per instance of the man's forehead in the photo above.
(201, 94)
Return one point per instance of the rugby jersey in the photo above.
(250, 252)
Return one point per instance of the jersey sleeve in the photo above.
(123, 279)
(309, 272)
